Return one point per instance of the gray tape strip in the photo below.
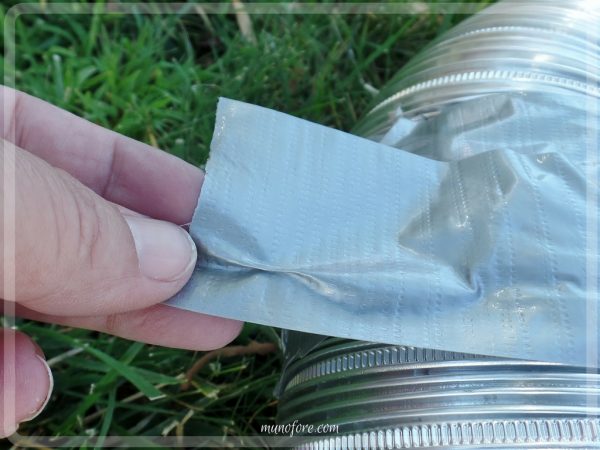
(304, 227)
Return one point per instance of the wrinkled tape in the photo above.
(304, 227)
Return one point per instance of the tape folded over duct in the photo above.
(483, 251)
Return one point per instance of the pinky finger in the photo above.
(25, 380)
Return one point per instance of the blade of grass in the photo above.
(107, 419)
(127, 372)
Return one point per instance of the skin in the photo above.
(78, 188)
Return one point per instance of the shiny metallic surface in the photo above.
(393, 396)
(469, 227)
(531, 46)
(384, 396)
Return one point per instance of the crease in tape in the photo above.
(471, 240)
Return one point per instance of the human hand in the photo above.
(90, 242)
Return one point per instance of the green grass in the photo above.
(157, 79)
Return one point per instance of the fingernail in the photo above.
(33, 414)
(165, 251)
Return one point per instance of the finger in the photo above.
(25, 380)
(158, 325)
(117, 168)
(77, 254)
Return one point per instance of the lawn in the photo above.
(157, 78)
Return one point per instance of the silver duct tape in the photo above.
(307, 228)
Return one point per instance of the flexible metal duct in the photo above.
(384, 396)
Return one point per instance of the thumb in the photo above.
(78, 254)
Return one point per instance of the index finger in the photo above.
(122, 170)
